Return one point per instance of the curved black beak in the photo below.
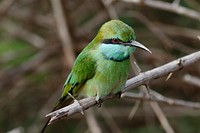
(138, 45)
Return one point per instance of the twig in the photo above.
(5, 6)
(151, 26)
(17, 130)
(168, 7)
(159, 113)
(161, 116)
(24, 14)
(110, 9)
(145, 92)
(134, 109)
(176, 2)
(161, 99)
(109, 120)
(96, 20)
(142, 78)
(145, 77)
(169, 43)
(180, 31)
(157, 110)
(63, 29)
(92, 123)
(192, 80)
(171, 101)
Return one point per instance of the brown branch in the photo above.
(180, 31)
(157, 110)
(86, 28)
(146, 77)
(134, 109)
(107, 116)
(63, 30)
(167, 7)
(192, 80)
(161, 116)
(154, 28)
(92, 122)
(24, 14)
(161, 99)
(110, 9)
(141, 79)
(5, 6)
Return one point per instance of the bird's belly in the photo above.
(110, 77)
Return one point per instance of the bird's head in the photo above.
(116, 32)
(117, 40)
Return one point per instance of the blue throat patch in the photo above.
(116, 52)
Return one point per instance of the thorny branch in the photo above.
(142, 79)
(175, 8)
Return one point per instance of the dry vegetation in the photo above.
(40, 40)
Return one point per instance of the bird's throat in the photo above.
(116, 52)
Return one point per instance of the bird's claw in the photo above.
(118, 94)
(99, 101)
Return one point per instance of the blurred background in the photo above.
(39, 40)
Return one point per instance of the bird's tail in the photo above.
(57, 106)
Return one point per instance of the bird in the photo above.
(103, 65)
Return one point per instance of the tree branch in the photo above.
(146, 77)
(161, 116)
(141, 79)
(168, 7)
(63, 30)
(193, 80)
(92, 122)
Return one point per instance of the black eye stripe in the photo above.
(107, 41)
(110, 41)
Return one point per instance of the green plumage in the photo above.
(96, 75)
(102, 67)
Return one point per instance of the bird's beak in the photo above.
(138, 45)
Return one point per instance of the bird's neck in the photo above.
(116, 52)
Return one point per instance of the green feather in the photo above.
(83, 70)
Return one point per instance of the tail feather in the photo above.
(57, 106)
(45, 126)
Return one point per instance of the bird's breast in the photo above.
(110, 77)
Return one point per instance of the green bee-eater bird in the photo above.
(103, 65)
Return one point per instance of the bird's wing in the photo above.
(83, 70)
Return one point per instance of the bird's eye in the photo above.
(115, 40)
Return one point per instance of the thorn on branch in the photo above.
(169, 76)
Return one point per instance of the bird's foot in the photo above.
(118, 94)
(99, 101)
